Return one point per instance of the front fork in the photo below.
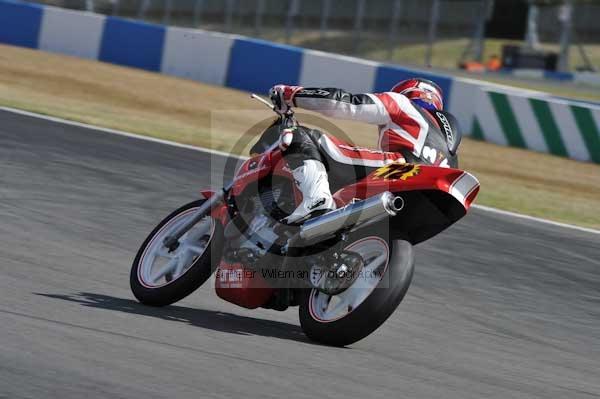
(171, 242)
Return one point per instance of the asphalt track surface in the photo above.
(499, 307)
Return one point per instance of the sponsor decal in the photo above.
(315, 92)
(230, 278)
(446, 125)
(397, 171)
(317, 203)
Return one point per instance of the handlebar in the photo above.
(262, 100)
(287, 119)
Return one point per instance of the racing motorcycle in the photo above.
(346, 270)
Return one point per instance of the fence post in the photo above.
(325, 11)
(479, 39)
(433, 22)
(531, 36)
(394, 27)
(116, 6)
(144, 4)
(260, 9)
(89, 5)
(586, 60)
(565, 16)
(168, 5)
(358, 24)
(198, 12)
(229, 6)
(289, 22)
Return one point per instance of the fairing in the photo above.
(259, 167)
(398, 177)
(434, 197)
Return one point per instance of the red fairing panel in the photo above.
(251, 170)
(398, 177)
(464, 189)
(221, 214)
(218, 213)
(207, 193)
(258, 167)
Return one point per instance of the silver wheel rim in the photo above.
(327, 308)
(158, 267)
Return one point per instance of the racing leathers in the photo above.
(403, 127)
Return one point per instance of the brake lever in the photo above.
(262, 100)
(287, 116)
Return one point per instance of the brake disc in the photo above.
(344, 270)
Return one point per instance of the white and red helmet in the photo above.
(424, 92)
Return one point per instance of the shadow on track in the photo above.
(209, 319)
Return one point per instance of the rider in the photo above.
(405, 116)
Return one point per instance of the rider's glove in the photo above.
(282, 97)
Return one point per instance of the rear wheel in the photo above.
(159, 277)
(353, 314)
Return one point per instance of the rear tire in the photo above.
(201, 268)
(373, 311)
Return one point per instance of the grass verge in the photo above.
(198, 114)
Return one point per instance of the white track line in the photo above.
(535, 219)
(224, 154)
(114, 131)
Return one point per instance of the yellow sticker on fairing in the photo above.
(397, 171)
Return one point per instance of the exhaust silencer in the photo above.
(353, 216)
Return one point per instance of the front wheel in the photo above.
(160, 277)
(353, 314)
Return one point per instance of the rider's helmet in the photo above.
(423, 92)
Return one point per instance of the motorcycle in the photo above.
(346, 270)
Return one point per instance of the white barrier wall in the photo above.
(321, 69)
(197, 55)
(541, 123)
(461, 101)
(71, 32)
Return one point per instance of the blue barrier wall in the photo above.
(388, 76)
(131, 43)
(20, 23)
(256, 65)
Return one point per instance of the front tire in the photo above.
(374, 301)
(159, 277)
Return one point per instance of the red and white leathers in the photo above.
(401, 125)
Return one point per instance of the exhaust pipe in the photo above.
(352, 216)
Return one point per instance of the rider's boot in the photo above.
(311, 179)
